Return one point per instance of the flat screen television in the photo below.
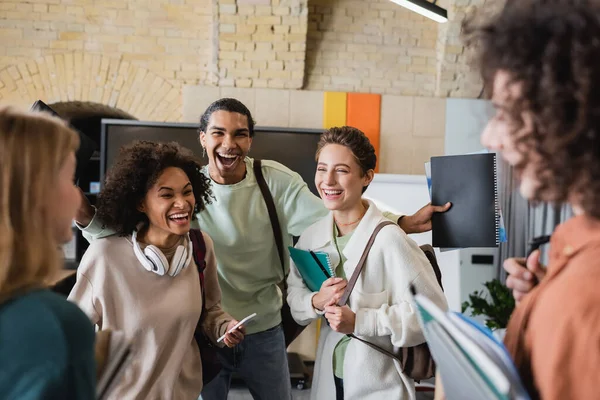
(86, 145)
(294, 148)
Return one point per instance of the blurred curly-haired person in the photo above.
(540, 61)
(144, 281)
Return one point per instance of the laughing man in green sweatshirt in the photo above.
(248, 264)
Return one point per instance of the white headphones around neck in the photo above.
(155, 261)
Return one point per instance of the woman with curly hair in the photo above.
(540, 62)
(46, 343)
(144, 281)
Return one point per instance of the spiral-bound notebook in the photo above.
(314, 267)
(469, 182)
(472, 362)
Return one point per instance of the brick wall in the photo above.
(169, 37)
(114, 52)
(128, 48)
(377, 46)
(100, 79)
(455, 77)
(262, 44)
(370, 46)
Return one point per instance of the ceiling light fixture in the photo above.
(425, 8)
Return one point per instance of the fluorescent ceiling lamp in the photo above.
(425, 8)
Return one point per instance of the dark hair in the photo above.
(230, 105)
(552, 50)
(355, 140)
(138, 167)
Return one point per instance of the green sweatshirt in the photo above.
(238, 222)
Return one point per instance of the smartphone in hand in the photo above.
(242, 322)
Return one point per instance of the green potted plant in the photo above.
(495, 306)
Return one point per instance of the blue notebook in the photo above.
(314, 267)
(472, 363)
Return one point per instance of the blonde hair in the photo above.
(33, 148)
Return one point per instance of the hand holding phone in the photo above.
(236, 326)
(525, 273)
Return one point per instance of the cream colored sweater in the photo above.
(161, 312)
(381, 300)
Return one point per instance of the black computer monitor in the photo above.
(86, 145)
(294, 148)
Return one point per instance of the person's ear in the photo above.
(368, 178)
(141, 207)
(202, 138)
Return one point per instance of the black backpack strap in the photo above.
(268, 198)
(199, 247)
(430, 254)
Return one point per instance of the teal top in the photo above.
(46, 349)
(340, 348)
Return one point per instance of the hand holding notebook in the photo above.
(330, 293)
(469, 182)
(314, 267)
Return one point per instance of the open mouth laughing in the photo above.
(331, 194)
(228, 161)
(180, 218)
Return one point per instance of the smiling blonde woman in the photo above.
(47, 343)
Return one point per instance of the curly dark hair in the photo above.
(230, 105)
(137, 169)
(551, 48)
(356, 141)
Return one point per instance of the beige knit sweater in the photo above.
(160, 312)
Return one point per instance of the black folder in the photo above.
(86, 145)
(469, 182)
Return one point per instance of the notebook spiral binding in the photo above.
(329, 267)
(496, 202)
(323, 267)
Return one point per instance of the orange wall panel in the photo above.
(364, 113)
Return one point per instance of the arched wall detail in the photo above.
(94, 78)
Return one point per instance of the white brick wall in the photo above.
(378, 46)
(341, 45)
(265, 44)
